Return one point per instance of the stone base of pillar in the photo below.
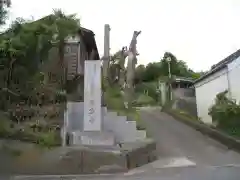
(92, 138)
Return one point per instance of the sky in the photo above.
(200, 32)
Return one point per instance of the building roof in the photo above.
(220, 65)
(183, 79)
(89, 41)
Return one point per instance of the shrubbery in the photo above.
(144, 100)
(225, 114)
(150, 88)
(115, 101)
(113, 98)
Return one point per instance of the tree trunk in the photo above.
(9, 79)
(9, 75)
(132, 59)
(62, 73)
(122, 74)
(129, 79)
(122, 71)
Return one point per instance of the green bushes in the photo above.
(115, 101)
(144, 100)
(225, 114)
(41, 135)
(150, 88)
(49, 139)
(113, 98)
(44, 139)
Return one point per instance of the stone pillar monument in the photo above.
(92, 132)
(92, 96)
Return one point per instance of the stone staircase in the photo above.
(118, 127)
(124, 130)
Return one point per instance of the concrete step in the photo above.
(92, 138)
(123, 130)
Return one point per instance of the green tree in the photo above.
(139, 72)
(25, 47)
(152, 71)
(64, 26)
(159, 69)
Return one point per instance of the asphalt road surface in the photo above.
(184, 154)
(177, 140)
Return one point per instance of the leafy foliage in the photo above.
(115, 101)
(25, 52)
(113, 98)
(144, 100)
(225, 113)
(158, 69)
(148, 88)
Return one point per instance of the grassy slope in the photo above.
(115, 101)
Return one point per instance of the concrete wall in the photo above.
(183, 92)
(234, 82)
(206, 91)
(185, 100)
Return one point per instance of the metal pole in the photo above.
(169, 70)
(169, 76)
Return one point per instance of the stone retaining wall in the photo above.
(136, 157)
(81, 160)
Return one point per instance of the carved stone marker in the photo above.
(92, 96)
(92, 133)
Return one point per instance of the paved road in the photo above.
(166, 174)
(175, 139)
(184, 154)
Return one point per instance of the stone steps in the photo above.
(122, 129)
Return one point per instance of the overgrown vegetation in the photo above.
(225, 114)
(115, 101)
(32, 77)
(147, 93)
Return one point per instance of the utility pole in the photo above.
(106, 56)
(169, 76)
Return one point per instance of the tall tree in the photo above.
(25, 46)
(159, 69)
(64, 26)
